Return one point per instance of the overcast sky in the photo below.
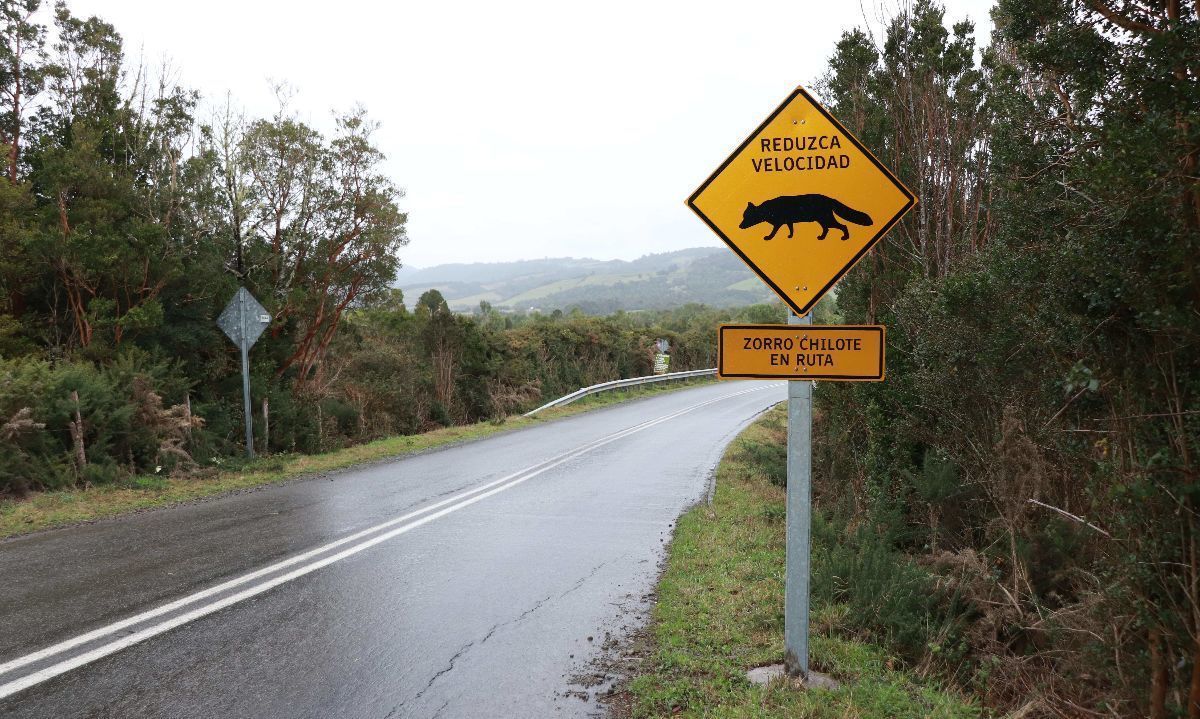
(518, 129)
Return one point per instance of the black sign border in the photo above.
(798, 309)
(881, 329)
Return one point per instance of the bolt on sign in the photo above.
(801, 201)
(824, 352)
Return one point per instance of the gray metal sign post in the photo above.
(800, 277)
(799, 519)
(243, 321)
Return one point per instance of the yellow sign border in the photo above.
(798, 309)
(881, 329)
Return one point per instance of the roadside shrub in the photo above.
(770, 458)
(122, 428)
(103, 472)
(893, 600)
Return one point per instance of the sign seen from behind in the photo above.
(243, 322)
(244, 318)
(801, 201)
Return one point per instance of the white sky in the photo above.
(519, 129)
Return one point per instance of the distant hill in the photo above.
(711, 275)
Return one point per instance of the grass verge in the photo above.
(46, 510)
(720, 613)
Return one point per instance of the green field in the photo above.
(750, 284)
(554, 288)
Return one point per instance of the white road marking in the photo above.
(251, 576)
(457, 502)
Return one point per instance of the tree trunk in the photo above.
(187, 413)
(320, 430)
(1158, 677)
(77, 437)
(266, 412)
(1194, 689)
(14, 145)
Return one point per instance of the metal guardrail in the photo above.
(618, 384)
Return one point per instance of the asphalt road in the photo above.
(480, 580)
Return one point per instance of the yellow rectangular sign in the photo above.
(850, 353)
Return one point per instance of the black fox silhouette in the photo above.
(790, 209)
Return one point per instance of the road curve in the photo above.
(474, 581)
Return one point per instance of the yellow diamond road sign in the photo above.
(801, 201)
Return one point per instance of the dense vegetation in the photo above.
(128, 218)
(1017, 503)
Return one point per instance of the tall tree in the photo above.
(319, 223)
(110, 176)
(919, 103)
(22, 73)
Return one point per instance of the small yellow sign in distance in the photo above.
(845, 353)
(801, 201)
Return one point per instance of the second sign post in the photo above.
(803, 171)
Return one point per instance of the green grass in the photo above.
(473, 300)
(45, 510)
(750, 284)
(720, 613)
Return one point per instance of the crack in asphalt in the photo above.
(580, 582)
(463, 650)
(537, 605)
(449, 667)
(496, 627)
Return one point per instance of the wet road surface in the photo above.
(475, 581)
